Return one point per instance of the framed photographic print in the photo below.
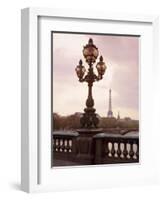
(89, 87)
(90, 138)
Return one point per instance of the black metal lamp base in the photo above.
(89, 119)
(89, 131)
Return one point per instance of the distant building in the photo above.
(118, 117)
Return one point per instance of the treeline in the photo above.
(122, 123)
(72, 122)
(68, 123)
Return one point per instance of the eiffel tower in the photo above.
(110, 113)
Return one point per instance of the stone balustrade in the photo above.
(115, 148)
(103, 148)
(64, 145)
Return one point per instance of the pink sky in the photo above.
(121, 55)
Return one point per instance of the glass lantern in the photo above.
(101, 67)
(90, 52)
(80, 70)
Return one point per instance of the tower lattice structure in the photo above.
(110, 112)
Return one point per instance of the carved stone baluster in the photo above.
(61, 145)
(65, 145)
(119, 150)
(109, 148)
(113, 150)
(70, 145)
(122, 149)
(56, 143)
(131, 152)
(116, 149)
(125, 152)
(135, 149)
(128, 149)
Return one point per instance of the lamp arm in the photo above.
(82, 79)
(97, 78)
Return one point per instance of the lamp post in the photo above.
(90, 52)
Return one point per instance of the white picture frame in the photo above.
(36, 173)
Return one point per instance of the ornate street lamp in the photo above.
(90, 51)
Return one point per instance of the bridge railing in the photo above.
(107, 148)
(115, 148)
(65, 145)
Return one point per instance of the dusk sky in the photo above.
(121, 55)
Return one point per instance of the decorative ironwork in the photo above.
(90, 52)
